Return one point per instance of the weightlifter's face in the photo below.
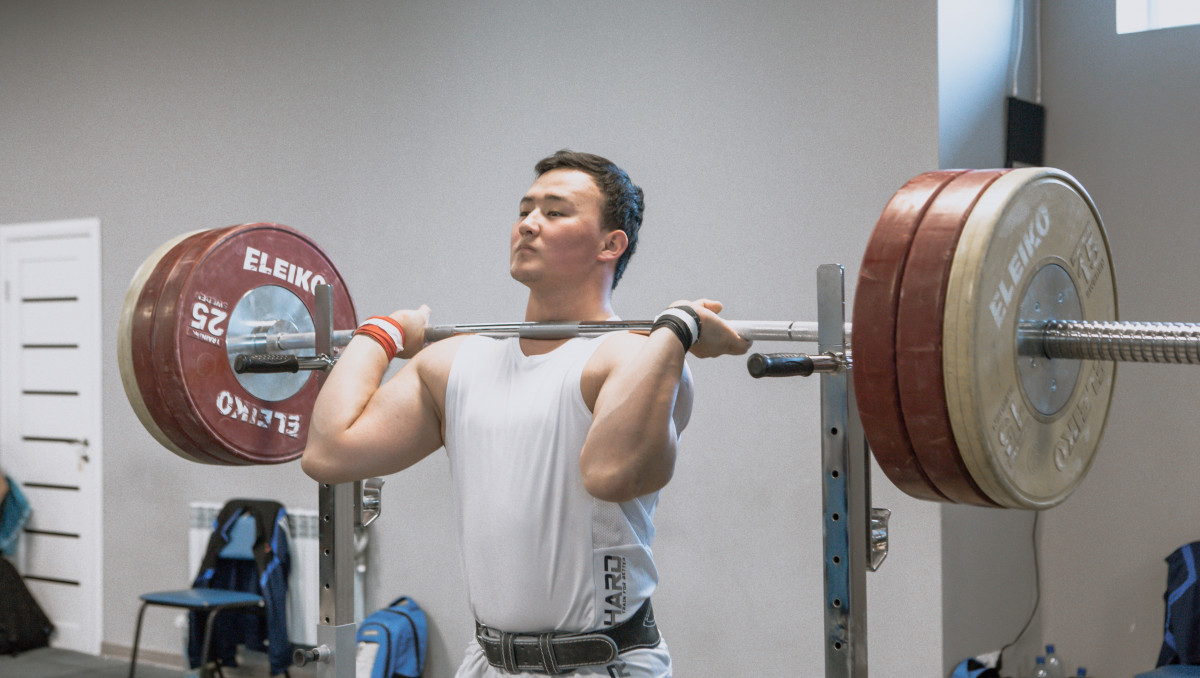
(559, 231)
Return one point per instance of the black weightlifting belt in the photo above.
(555, 654)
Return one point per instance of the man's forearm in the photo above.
(342, 400)
(630, 448)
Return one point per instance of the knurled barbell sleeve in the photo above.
(1124, 341)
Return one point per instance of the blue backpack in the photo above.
(392, 641)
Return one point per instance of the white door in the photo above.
(50, 434)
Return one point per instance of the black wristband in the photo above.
(695, 316)
(681, 330)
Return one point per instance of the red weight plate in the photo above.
(210, 403)
(147, 368)
(919, 323)
(140, 304)
(874, 340)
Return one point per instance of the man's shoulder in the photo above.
(438, 356)
(618, 347)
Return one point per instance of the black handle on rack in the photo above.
(266, 364)
(779, 365)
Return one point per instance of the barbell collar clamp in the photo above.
(276, 363)
(796, 364)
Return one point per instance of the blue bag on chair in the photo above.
(392, 641)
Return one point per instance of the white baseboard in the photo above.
(250, 664)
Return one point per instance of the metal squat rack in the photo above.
(855, 534)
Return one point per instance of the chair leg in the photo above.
(137, 636)
(208, 629)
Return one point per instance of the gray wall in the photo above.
(988, 565)
(1123, 115)
(768, 136)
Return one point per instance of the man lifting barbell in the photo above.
(557, 448)
(983, 364)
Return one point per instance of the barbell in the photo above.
(983, 360)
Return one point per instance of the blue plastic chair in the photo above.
(212, 601)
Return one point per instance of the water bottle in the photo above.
(1054, 665)
(1039, 668)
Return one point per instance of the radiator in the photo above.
(303, 599)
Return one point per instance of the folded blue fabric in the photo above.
(14, 513)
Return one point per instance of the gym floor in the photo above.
(50, 662)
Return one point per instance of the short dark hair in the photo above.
(624, 202)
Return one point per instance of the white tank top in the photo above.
(539, 553)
